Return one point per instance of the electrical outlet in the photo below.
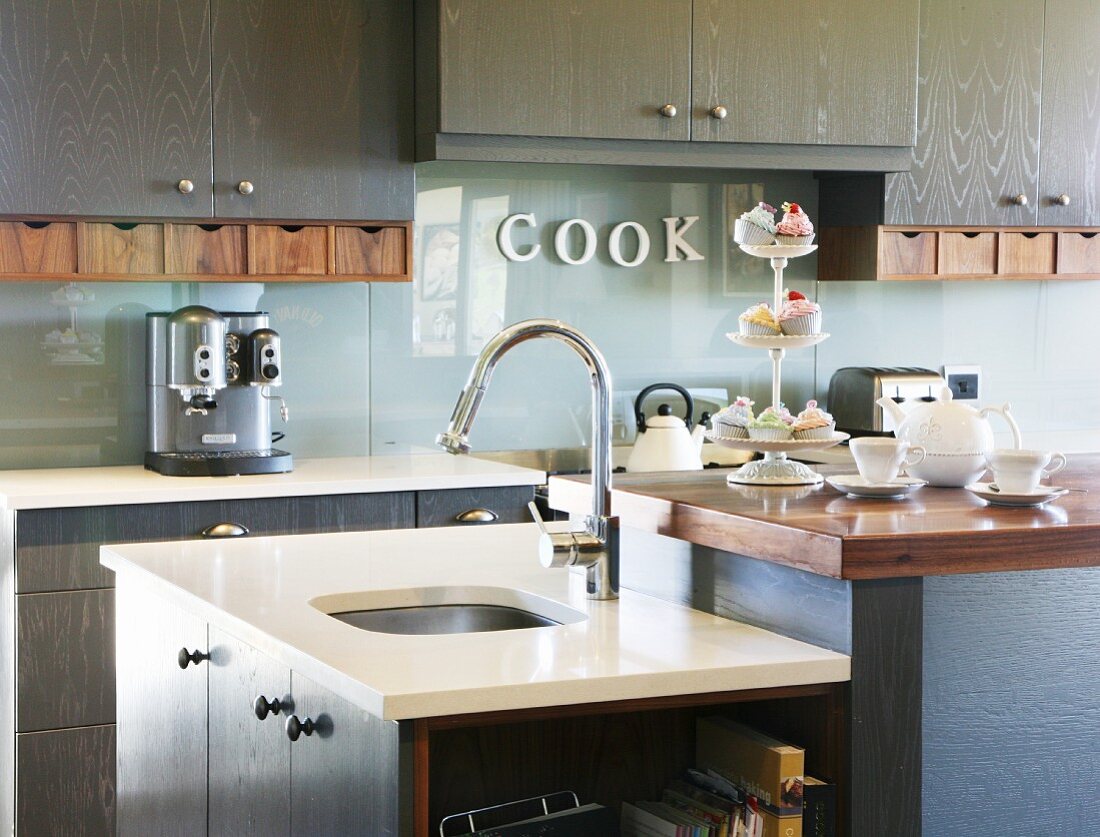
(964, 381)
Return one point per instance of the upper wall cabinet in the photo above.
(559, 68)
(821, 84)
(992, 73)
(200, 108)
(104, 107)
(313, 109)
(833, 72)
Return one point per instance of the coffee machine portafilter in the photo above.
(209, 377)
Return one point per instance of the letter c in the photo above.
(504, 237)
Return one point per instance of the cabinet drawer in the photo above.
(192, 249)
(445, 508)
(123, 248)
(1078, 252)
(37, 247)
(908, 253)
(58, 549)
(371, 251)
(65, 659)
(66, 782)
(963, 253)
(1026, 253)
(287, 250)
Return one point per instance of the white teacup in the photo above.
(1021, 471)
(880, 458)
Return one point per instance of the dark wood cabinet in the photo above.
(474, 506)
(313, 108)
(106, 106)
(839, 72)
(249, 767)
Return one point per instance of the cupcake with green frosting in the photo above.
(757, 226)
(771, 425)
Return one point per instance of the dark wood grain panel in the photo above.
(1069, 162)
(249, 768)
(289, 249)
(7, 670)
(37, 247)
(977, 116)
(884, 715)
(67, 782)
(557, 68)
(848, 253)
(313, 105)
(205, 249)
(442, 508)
(162, 710)
(65, 660)
(104, 106)
(845, 72)
(58, 549)
(329, 793)
(122, 248)
(372, 251)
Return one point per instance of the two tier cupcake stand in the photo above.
(775, 468)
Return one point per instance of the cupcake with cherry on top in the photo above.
(795, 228)
(799, 316)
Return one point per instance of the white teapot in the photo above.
(956, 437)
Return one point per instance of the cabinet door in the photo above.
(105, 107)
(468, 506)
(559, 68)
(836, 72)
(313, 107)
(345, 775)
(161, 736)
(249, 757)
(978, 116)
(66, 782)
(1070, 160)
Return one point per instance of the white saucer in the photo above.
(1038, 496)
(856, 486)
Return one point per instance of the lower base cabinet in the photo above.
(215, 737)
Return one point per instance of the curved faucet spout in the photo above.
(603, 570)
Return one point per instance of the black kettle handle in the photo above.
(639, 416)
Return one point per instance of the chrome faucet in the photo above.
(596, 548)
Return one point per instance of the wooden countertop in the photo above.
(936, 531)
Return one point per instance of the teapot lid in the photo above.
(664, 418)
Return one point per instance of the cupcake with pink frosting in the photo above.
(795, 228)
(813, 423)
(799, 315)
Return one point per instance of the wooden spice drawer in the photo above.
(205, 249)
(1026, 253)
(963, 253)
(289, 249)
(122, 248)
(380, 251)
(37, 247)
(905, 253)
(1079, 252)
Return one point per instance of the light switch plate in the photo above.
(965, 381)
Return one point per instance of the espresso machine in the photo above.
(209, 378)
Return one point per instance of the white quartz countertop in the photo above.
(122, 485)
(260, 589)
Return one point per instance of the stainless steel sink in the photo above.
(446, 610)
(444, 619)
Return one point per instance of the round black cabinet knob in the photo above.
(271, 371)
(185, 657)
(295, 728)
(264, 707)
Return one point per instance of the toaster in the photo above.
(854, 390)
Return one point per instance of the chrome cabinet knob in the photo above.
(718, 112)
(1020, 200)
(477, 516)
(245, 187)
(186, 187)
(227, 529)
(667, 111)
(1061, 200)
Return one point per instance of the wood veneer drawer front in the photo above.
(908, 253)
(123, 248)
(66, 782)
(58, 549)
(1079, 252)
(371, 251)
(1026, 253)
(65, 659)
(37, 247)
(465, 506)
(206, 249)
(288, 249)
(963, 253)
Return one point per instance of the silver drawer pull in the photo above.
(477, 516)
(225, 530)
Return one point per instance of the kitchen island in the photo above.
(419, 726)
(951, 688)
